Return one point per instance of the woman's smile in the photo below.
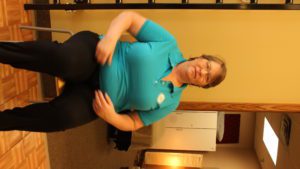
(193, 72)
(197, 71)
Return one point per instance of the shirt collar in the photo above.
(175, 58)
(178, 89)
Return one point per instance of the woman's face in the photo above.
(201, 72)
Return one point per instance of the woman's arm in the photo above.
(126, 122)
(104, 108)
(126, 21)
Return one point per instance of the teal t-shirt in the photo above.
(134, 79)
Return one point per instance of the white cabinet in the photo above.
(191, 119)
(186, 130)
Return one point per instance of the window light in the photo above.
(271, 140)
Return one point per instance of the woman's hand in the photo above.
(103, 106)
(105, 50)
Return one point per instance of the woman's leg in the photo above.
(71, 109)
(73, 60)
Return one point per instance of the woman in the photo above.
(146, 77)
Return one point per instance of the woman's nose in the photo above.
(198, 70)
(204, 71)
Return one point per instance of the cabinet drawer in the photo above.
(191, 119)
(186, 139)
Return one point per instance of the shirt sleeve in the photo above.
(152, 32)
(149, 117)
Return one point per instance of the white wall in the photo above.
(231, 158)
(288, 157)
(236, 156)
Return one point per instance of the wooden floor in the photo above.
(18, 149)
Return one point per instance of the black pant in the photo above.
(75, 62)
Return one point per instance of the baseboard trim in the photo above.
(239, 107)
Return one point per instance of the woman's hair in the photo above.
(222, 64)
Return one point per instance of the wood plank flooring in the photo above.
(19, 149)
